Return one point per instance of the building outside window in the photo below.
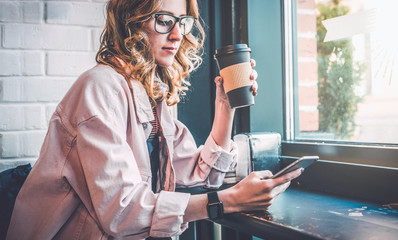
(347, 71)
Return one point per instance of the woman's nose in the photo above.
(175, 33)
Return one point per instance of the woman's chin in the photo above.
(165, 62)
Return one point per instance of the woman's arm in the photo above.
(223, 117)
(255, 192)
(224, 114)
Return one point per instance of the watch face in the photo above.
(215, 211)
(215, 208)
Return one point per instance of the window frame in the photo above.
(343, 151)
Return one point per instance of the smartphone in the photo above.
(302, 162)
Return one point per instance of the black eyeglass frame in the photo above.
(177, 20)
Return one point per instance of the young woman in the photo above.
(114, 154)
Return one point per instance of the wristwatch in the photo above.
(215, 208)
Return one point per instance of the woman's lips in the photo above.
(171, 50)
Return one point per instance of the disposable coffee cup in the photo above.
(235, 69)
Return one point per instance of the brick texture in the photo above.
(72, 13)
(10, 12)
(44, 46)
(306, 22)
(307, 65)
(308, 95)
(46, 37)
(309, 119)
(306, 4)
(69, 63)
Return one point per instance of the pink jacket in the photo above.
(93, 177)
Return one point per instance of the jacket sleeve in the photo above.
(205, 165)
(117, 197)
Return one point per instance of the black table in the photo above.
(297, 214)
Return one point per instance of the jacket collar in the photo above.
(141, 100)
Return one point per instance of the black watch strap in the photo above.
(213, 197)
(215, 208)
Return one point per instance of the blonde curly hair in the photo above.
(125, 47)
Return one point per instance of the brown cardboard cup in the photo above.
(235, 69)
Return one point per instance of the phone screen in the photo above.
(302, 162)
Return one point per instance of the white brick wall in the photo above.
(44, 46)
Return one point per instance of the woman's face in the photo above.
(165, 46)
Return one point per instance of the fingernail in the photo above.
(302, 170)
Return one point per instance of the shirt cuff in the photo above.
(167, 219)
(217, 157)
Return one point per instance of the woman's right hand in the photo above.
(256, 192)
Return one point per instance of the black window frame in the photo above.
(354, 170)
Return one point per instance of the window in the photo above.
(358, 151)
(347, 71)
(341, 80)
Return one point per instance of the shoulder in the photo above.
(101, 76)
(100, 81)
(96, 92)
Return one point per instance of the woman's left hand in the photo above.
(253, 77)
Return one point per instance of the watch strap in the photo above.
(215, 208)
(213, 197)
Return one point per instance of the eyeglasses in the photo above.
(165, 22)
